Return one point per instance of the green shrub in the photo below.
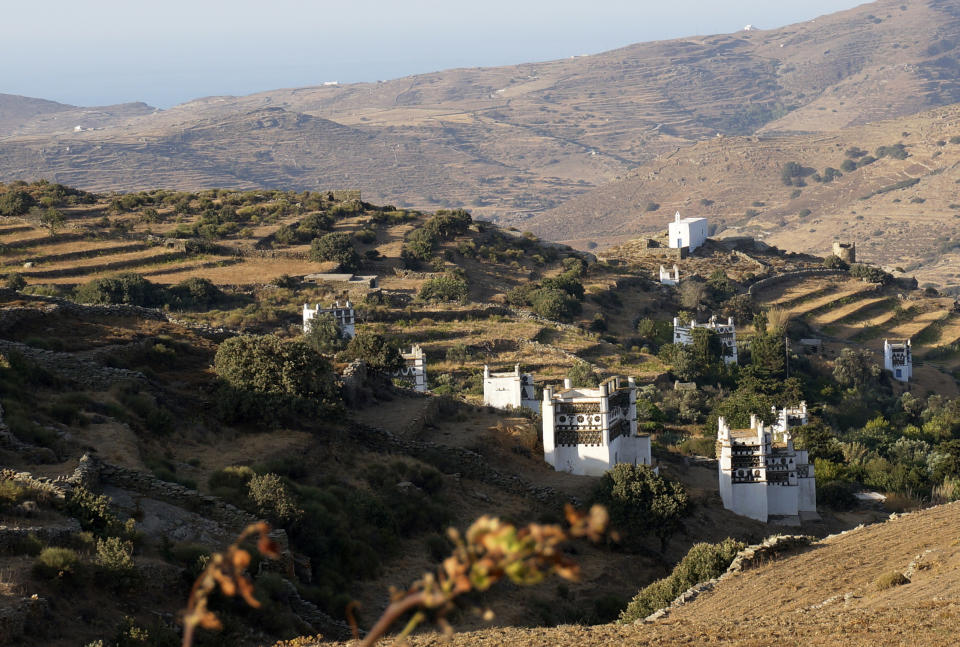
(366, 236)
(324, 335)
(834, 262)
(448, 287)
(14, 281)
(115, 557)
(273, 499)
(837, 494)
(16, 202)
(335, 247)
(702, 562)
(128, 288)
(553, 303)
(266, 364)
(582, 375)
(640, 501)
(897, 151)
(56, 563)
(195, 292)
(379, 353)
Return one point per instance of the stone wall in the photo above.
(745, 559)
(73, 368)
(786, 276)
(227, 515)
(61, 305)
(102, 267)
(55, 306)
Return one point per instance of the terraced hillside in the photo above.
(241, 238)
(850, 312)
(900, 209)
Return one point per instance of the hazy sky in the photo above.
(164, 52)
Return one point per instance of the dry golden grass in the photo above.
(826, 595)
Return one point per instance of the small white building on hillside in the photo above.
(669, 279)
(762, 476)
(898, 359)
(687, 232)
(344, 316)
(588, 431)
(414, 368)
(727, 332)
(790, 417)
(510, 389)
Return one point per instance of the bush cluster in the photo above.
(702, 562)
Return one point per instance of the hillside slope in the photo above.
(900, 212)
(825, 595)
(513, 140)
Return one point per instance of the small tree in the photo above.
(834, 262)
(195, 292)
(448, 287)
(553, 303)
(855, 368)
(274, 499)
(16, 203)
(53, 219)
(335, 247)
(129, 288)
(323, 334)
(266, 364)
(376, 351)
(640, 501)
(580, 374)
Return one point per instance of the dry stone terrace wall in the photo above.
(75, 369)
(746, 558)
(55, 306)
(786, 276)
(66, 306)
(103, 267)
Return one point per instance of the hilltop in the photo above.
(508, 141)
